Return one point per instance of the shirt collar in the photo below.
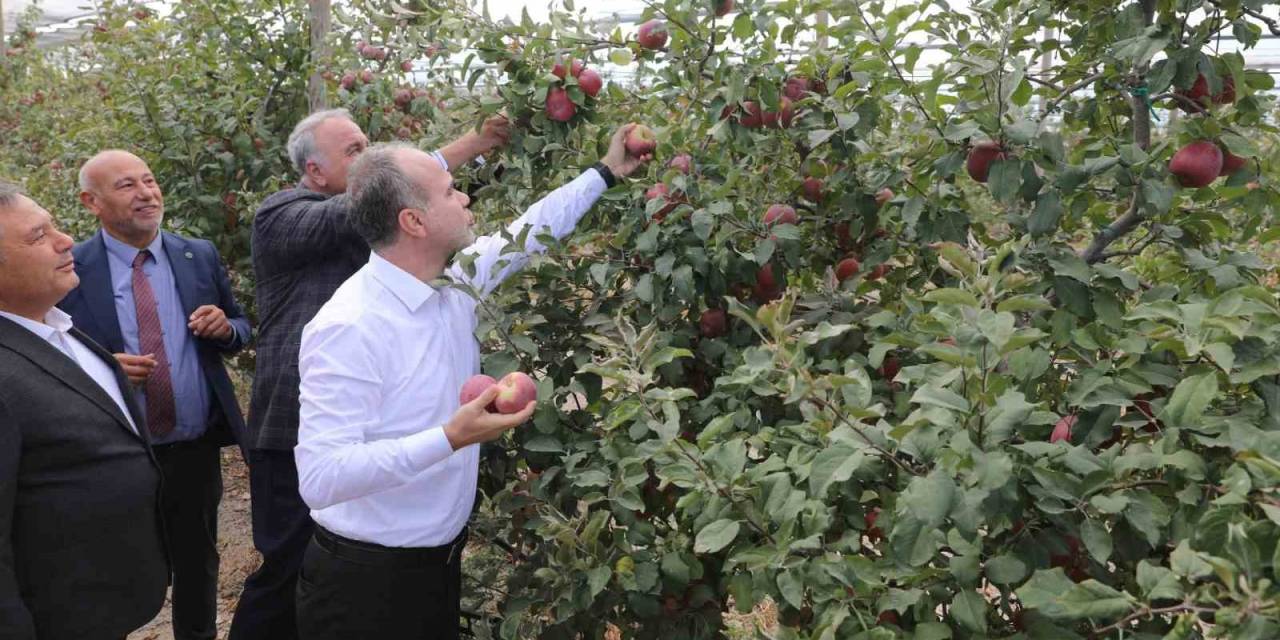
(55, 321)
(409, 289)
(127, 253)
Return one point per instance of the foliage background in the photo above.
(671, 476)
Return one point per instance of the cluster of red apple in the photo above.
(559, 107)
(515, 391)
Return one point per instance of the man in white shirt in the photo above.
(81, 554)
(387, 460)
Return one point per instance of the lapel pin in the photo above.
(189, 256)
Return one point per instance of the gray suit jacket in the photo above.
(81, 545)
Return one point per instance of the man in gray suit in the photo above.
(81, 550)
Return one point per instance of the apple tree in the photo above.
(1004, 364)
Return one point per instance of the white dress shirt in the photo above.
(381, 366)
(56, 330)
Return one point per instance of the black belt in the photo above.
(371, 553)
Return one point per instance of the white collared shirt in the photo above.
(381, 366)
(56, 330)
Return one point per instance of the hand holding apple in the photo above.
(619, 160)
(472, 423)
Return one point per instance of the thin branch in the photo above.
(1185, 607)
(908, 86)
(1272, 24)
(1116, 230)
(1066, 93)
(1194, 106)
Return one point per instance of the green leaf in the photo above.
(1096, 539)
(951, 296)
(1044, 591)
(716, 536)
(1006, 569)
(1046, 216)
(1092, 599)
(929, 499)
(1189, 400)
(1004, 179)
(597, 579)
(833, 465)
(936, 396)
(970, 610)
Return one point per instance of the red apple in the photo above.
(713, 323)
(751, 116)
(873, 532)
(517, 391)
(406, 66)
(559, 107)
(640, 141)
(796, 87)
(575, 68)
(844, 240)
(847, 268)
(890, 367)
(766, 288)
(590, 81)
(1199, 92)
(402, 97)
(722, 7)
(1197, 165)
(887, 617)
(661, 190)
(404, 133)
(682, 163)
(652, 34)
(348, 81)
(878, 272)
(781, 118)
(981, 157)
(473, 387)
(366, 76)
(1231, 163)
(884, 195)
(780, 214)
(812, 189)
(1062, 429)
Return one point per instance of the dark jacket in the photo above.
(81, 551)
(303, 250)
(201, 280)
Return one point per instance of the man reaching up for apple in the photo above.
(387, 460)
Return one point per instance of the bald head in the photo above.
(93, 170)
(119, 188)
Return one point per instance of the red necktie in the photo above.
(161, 415)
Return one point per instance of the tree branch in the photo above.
(1141, 113)
(1066, 93)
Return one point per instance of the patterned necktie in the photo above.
(161, 415)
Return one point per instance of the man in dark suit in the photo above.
(82, 553)
(163, 305)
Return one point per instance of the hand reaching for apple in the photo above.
(619, 159)
(474, 422)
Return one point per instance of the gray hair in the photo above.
(379, 190)
(302, 142)
(9, 194)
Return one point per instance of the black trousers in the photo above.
(352, 590)
(281, 528)
(192, 473)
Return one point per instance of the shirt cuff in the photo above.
(235, 334)
(427, 447)
(440, 158)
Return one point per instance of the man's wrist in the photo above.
(606, 172)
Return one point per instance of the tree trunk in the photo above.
(317, 95)
(1142, 137)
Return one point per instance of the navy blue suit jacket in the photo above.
(201, 279)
